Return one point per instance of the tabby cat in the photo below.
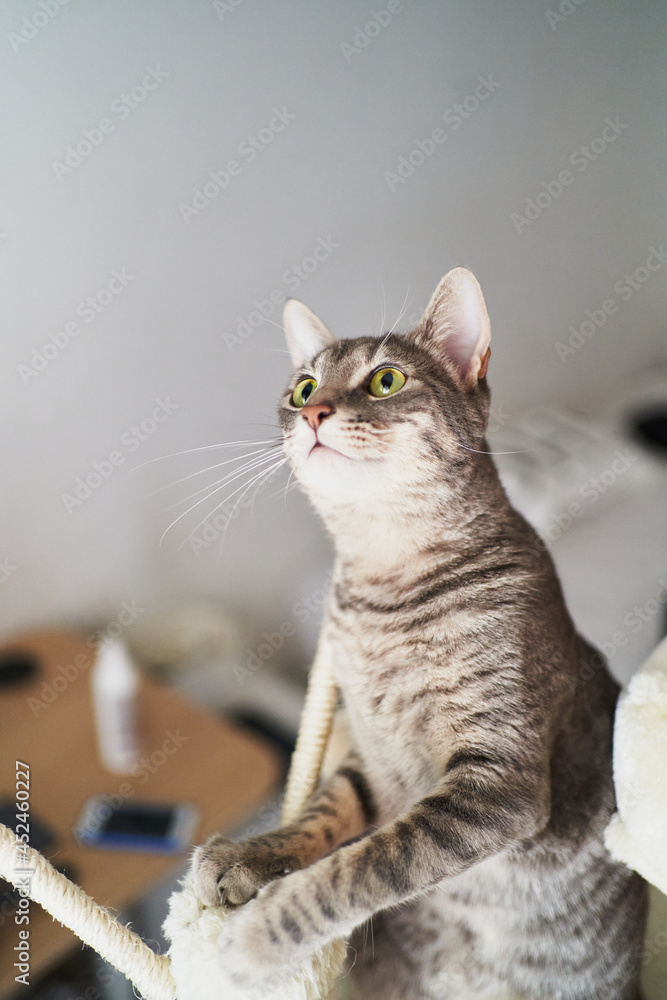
(466, 821)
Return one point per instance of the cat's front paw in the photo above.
(229, 874)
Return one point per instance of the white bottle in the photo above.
(115, 687)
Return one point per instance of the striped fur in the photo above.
(460, 839)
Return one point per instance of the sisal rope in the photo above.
(94, 925)
(311, 744)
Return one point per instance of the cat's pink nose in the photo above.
(316, 414)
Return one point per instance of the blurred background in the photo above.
(173, 171)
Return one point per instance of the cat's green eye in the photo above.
(303, 391)
(386, 382)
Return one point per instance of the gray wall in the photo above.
(353, 115)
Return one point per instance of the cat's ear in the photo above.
(456, 326)
(306, 334)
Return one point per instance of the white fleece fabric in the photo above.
(637, 833)
(193, 930)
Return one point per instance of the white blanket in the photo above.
(637, 834)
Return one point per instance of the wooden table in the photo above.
(189, 756)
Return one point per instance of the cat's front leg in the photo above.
(231, 873)
(474, 813)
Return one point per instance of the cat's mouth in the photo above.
(320, 446)
(323, 449)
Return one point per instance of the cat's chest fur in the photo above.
(387, 672)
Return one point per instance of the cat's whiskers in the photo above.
(521, 451)
(287, 486)
(273, 323)
(350, 948)
(210, 468)
(230, 477)
(284, 489)
(404, 309)
(256, 492)
(384, 309)
(256, 477)
(218, 487)
(203, 447)
(258, 480)
(245, 487)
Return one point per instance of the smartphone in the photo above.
(164, 828)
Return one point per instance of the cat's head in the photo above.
(375, 419)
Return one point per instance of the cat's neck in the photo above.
(393, 540)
